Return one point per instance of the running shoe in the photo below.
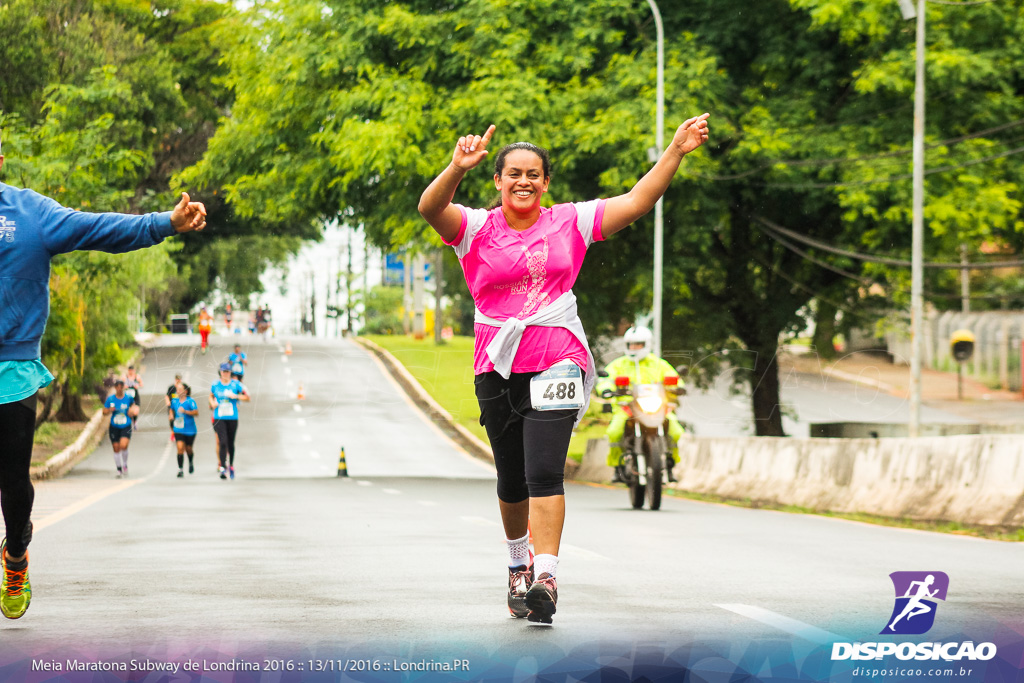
(15, 590)
(191, 467)
(181, 473)
(541, 599)
(231, 470)
(519, 581)
(223, 473)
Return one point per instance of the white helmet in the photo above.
(637, 335)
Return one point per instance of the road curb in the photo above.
(469, 441)
(58, 465)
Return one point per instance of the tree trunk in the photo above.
(46, 397)
(766, 398)
(70, 405)
(824, 330)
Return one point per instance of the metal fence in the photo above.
(998, 336)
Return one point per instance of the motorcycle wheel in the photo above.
(636, 490)
(655, 462)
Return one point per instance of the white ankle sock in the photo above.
(518, 551)
(545, 564)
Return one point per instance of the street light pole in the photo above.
(659, 229)
(917, 236)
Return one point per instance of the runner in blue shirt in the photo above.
(36, 229)
(224, 398)
(238, 361)
(183, 416)
(121, 408)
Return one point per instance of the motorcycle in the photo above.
(645, 446)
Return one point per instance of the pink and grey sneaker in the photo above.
(519, 581)
(541, 599)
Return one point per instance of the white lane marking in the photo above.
(296, 407)
(792, 626)
(416, 409)
(301, 422)
(307, 438)
(574, 551)
(363, 482)
(284, 359)
(427, 503)
(287, 371)
(314, 454)
(479, 521)
(393, 492)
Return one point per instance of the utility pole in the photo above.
(348, 289)
(965, 282)
(419, 326)
(659, 229)
(917, 227)
(407, 285)
(438, 291)
(312, 303)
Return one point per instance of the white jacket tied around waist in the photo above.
(561, 312)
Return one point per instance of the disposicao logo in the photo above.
(914, 614)
(916, 595)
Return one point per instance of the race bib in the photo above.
(237, 368)
(225, 409)
(179, 423)
(558, 388)
(120, 419)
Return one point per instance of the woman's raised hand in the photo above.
(471, 150)
(692, 134)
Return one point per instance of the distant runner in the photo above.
(121, 408)
(238, 361)
(224, 398)
(205, 325)
(184, 411)
(132, 385)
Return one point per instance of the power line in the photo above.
(895, 178)
(867, 157)
(824, 246)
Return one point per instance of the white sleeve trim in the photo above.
(586, 215)
(475, 218)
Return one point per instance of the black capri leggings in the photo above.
(226, 430)
(17, 429)
(529, 445)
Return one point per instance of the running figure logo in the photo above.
(916, 593)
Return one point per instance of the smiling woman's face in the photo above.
(522, 181)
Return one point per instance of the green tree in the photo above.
(347, 110)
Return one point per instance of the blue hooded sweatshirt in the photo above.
(34, 229)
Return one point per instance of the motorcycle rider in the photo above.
(642, 367)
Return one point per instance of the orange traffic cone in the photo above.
(301, 395)
(288, 348)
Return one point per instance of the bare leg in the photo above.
(547, 516)
(515, 517)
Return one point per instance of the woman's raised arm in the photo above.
(436, 201)
(622, 210)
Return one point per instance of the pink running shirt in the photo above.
(513, 274)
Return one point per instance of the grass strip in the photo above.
(446, 373)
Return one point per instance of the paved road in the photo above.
(406, 559)
(806, 399)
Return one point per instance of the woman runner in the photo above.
(121, 408)
(224, 398)
(183, 414)
(532, 362)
